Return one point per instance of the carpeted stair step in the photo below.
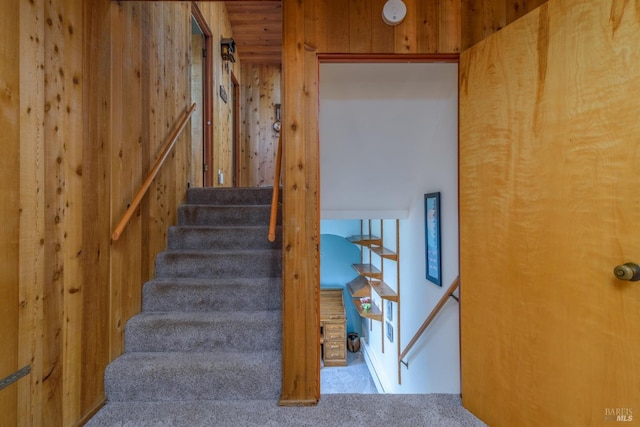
(181, 376)
(204, 331)
(227, 215)
(333, 410)
(221, 238)
(247, 263)
(206, 294)
(230, 196)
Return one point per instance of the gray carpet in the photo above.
(371, 410)
(205, 350)
(211, 320)
(351, 379)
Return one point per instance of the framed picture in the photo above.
(432, 237)
(389, 331)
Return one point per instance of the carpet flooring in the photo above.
(333, 410)
(205, 350)
(354, 378)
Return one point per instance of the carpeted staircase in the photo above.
(206, 349)
(210, 326)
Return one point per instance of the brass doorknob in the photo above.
(628, 271)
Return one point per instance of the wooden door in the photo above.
(549, 204)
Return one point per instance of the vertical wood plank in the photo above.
(248, 111)
(382, 39)
(70, 76)
(55, 137)
(32, 205)
(307, 166)
(425, 26)
(449, 26)
(120, 188)
(495, 14)
(152, 227)
(147, 84)
(10, 124)
(360, 26)
(96, 216)
(269, 81)
(405, 33)
(127, 174)
(300, 356)
(157, 133)
(336, 23)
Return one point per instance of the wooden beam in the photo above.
(301, 301)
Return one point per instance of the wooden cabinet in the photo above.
(333, 335)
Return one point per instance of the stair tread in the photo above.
(169, 376)
(209, 316)
(206, 294)
(219, 227)
(217, 251)
(204, 331)
(216, 281)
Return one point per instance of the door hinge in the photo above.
(206, 167)
(204, 53)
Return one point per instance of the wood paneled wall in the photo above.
(481, 18)
(89, 93)
(356, 26)
(9, 209)
(258, 140)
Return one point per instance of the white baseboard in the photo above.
(374, 367)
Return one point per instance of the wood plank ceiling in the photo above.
(257, 30)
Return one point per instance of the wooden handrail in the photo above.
(154, 171)
(430, 318)
(276, 189)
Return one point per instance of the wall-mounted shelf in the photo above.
(385, 253)
(374, 313)
(359, 287)
(368, 270)
(370, 277)
(365, 240)
(383, 290)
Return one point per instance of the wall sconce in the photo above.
(227, 49)
(394, 12)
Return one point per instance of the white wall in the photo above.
(388, 135)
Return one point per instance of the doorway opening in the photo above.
(200, 174)
(235, 131)
(388, 132)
